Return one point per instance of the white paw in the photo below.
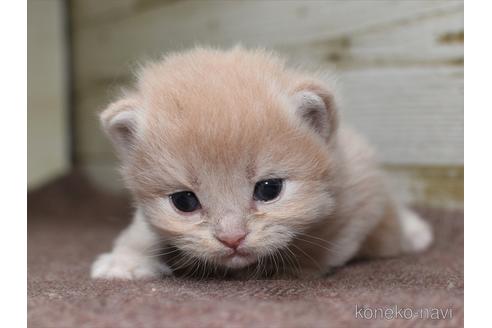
(123, 265)
(417, 234)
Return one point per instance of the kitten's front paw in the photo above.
(127, 266)
(417, 234)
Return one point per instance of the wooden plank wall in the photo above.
(47, 133)
(399, 65)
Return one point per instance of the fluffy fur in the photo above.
(216, 122)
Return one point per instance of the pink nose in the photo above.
(231, 240)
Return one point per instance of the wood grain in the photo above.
(398, 64)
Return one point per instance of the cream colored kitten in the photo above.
(239, 165)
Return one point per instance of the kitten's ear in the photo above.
(119, 121)
(315, 105)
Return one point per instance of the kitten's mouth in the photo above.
(239, 252)
(238, 259)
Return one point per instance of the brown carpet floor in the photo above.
(69, 223)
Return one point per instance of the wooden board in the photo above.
(46, 92)
(105, 48)
(399, 63)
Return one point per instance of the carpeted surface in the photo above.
(69, 223)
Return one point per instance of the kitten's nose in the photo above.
(231, 240)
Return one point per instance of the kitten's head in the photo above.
(227, 153)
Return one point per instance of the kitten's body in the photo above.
(215, 123)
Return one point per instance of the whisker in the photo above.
(183, 262)
(296, 266)
(318, 245)
(276, 264)
(256, 271)
(196, 266)
(283, 263)
(308, 256)
(329, 243)
(163, 254)
(193, 265)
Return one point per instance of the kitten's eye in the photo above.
(185, 201)
(267, 190)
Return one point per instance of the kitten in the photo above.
(239, 164)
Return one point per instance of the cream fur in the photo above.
(216, 122)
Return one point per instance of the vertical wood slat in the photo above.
(47, 137)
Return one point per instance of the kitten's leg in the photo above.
(399, 231)
(131, 257)
(395, 231)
